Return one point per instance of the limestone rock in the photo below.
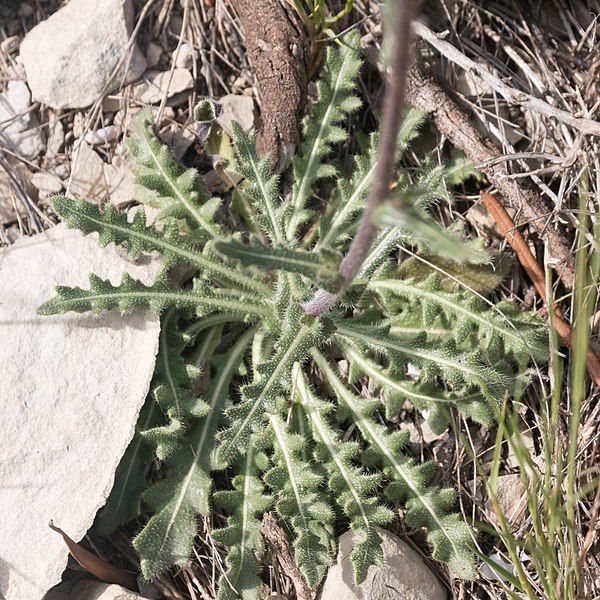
(19, 128)
(87, 175)
(120, 181)
(47, 184)
(153, 54)
(70, 393)
(404, 576)
(236, 108)
(158, 83)
(56, 137)
(183, 57)
(81, 44)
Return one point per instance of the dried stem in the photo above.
(278, 540)
(511, 95)
(526, 258)
(423, 93)
(392, 117)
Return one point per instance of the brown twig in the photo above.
(526, 258)
(276, 537)
(392, 118)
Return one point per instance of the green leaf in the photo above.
(520, 337)
(319, 267)
(242, 534)
(114, 227)
(321, 129)
(301, 332)
(351, 486)
(422, 230)
(300, 503)
(130, 294)
(179, 192)
(457, 368)
(177, 500)
(261, 186)
(427, 506)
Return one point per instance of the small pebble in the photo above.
(184, 56)
(153, 54)
(106, 135)
(47, 183)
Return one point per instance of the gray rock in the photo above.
(153, 54)
(120, 181)
(69, 58)
(183, 57)
(87, 175)
(236, 108)
(70, 393)
(47, 184)
(403, 576)
(56, 137)
(19, 127)
(157, 84)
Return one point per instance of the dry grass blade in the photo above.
(511, 95)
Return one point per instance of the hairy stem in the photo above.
(392, 118)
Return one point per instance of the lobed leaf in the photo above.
(177, 500)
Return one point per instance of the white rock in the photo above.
(56, 137)
(70, 392)
(158, 83)
(104, 135)
(87, 175)
(86, 590)
(19, 128)
(183, 57)
(69, 57)
(120, 181)
(404, 575)
(47, 184)
(236, 108)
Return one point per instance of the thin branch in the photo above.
(519, 245)
(423, 93)
(511, 95)
(392, 117)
